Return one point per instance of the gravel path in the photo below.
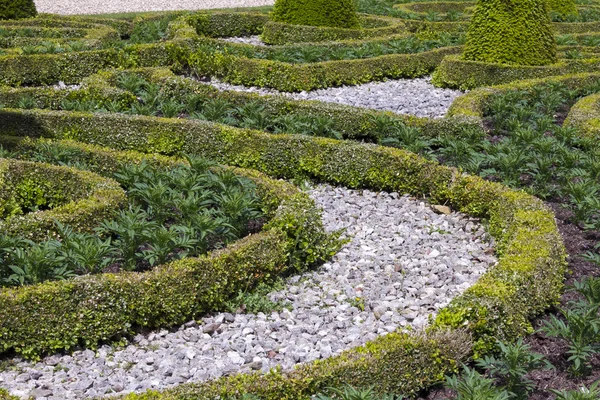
(403, 96)
(403, 264)
(119, 6)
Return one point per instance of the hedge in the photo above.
(298, 77)
(472, 105)
(278, 33)
(512, 214)
(16, 9)
(87, 310)
(527, 278)
(585, 116)
(77, 198)
(455, 72)
(353, 123)
(518, 33)
(332, 13)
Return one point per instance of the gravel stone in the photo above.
(118, 6)
(397, 270)
(416, 97)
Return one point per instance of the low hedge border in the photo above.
(124, 27)
(353, 123)
(278, 33)
(472, 105)
(585, 116)
(61, 315)
(421, 9)
(78, 198)
(526, 280)
(530, 244)
(298, 77)
(454, 72)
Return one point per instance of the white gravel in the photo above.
(119, 6)
(403, 264)
(416, 97)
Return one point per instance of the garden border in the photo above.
(585, 116)
(87, 310)
(527, 279)
(103, 196)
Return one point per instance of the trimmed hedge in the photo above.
(527, 278)
(78, 198)
(563, 7)
(278, 33)
(399, 363)
(297, 77)
(472, 105)
(353, 123)
(354, 165)
(332, 13)
(55, 316)
(17, 9)
(511, 32)
(585, 116)
(454, 72)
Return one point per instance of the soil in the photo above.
(576, 241)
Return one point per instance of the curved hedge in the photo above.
(277, 33)
(78, 198)
(87, 310)
(455, 72)
(585, 116)
(527, 278)
(515, 216)
(334, 13)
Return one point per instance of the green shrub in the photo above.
(511, 32)
(334, 13)
(563, 7)
(16, 9)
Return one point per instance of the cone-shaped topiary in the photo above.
(563, 7)
(511, 32)
(16, 9)
(333, 13)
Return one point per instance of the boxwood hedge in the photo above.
(67, 195)
(87, 310)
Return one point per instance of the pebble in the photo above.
(416, 97)
(396, 272)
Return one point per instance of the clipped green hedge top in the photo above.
(81, 199)
(585, 116)
(511, 32)
(63, 316)
(333, 13)
(17, 9)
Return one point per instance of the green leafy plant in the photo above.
(471, 385)
(511, 366)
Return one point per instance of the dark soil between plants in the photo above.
(576, 241)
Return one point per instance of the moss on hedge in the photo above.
(511, 32)
(17, 9)
(334, 13)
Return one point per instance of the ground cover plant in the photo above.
(171, 214)
(520, 140)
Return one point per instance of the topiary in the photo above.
(333, 13)
(511, 32)
(563, 7)
(16, 9)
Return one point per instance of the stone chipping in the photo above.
(403, 263)
(416, 97)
